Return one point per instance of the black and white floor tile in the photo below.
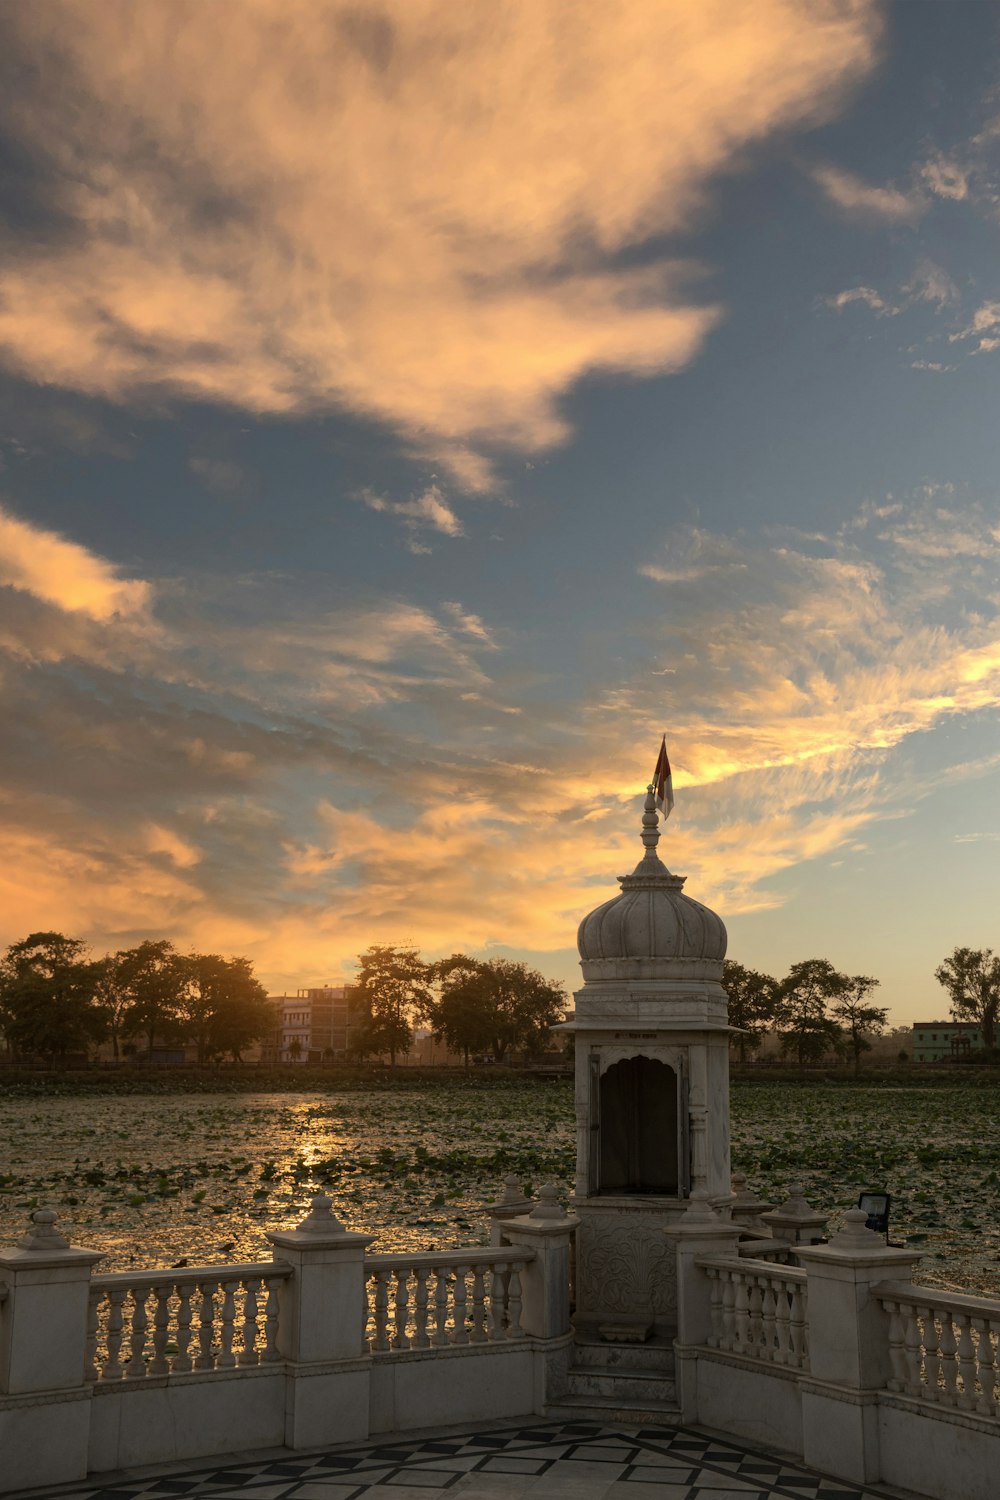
(544, 1461)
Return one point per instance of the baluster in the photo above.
(136, 1367)
(113, 1368)
(714, 1307)
(90, 1355)
(755, 1332)
(948, 1348)
(728, 1340)
(270, 1353)
(248, 1328)
(459, 1333)
(966, 1363)
(911, 1343)
(182, 1360)
(227, 1358)
(768, 1308)
(440, 1337)
(161, 1318)
(932, 1356)
(381, 1339)
(420, 1339)
(512, 1281)
(986, 1360)
(206, 1326)
(741, 1309)
(782, 1318)
(798, 1357)
(399, 1338)
(496, 1329)
(478, 1333)
(897, 1352)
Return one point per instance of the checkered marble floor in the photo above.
(540, 1461)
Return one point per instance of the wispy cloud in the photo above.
(414, 214)
(946, 177)
(983, 329)
(868, 297)
(221, 475)
(429, 511)
(238, 786)
(860, 199)
(931, 283)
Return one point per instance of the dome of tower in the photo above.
(650, 919)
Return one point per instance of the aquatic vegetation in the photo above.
(149, 1179)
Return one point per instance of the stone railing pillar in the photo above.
(848, 1347)
(794, 1222)
(512, 1204)
(321, 1329)
(746, 1208)
(549, 1231)
(698, 1232)
(45, 1287)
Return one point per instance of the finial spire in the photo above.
(650, 823)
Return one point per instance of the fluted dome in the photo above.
(651, 918)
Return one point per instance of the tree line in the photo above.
(478, 1007)
(816, 1010)
(55, 1000)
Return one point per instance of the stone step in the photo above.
(613, 1411)
(621, 1385)
(656, 1356)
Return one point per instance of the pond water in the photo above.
(150, 1180)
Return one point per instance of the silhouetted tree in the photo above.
(859, 1020)
(804, 1026)
(462, 1013)
(153, 978)
(390, 991)
(223, 1007)
(753, 1000)
(47, 989)
(523, 1006)
(972, 978)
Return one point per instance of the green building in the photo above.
(945, 1041)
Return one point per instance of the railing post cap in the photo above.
(548, 1206)
(854, 1233)
(43, 1235)
(321, 1218)
(512, 1200)
(320, 1228)
(699, 1210)
(44, 1246)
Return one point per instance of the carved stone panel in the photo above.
(625, 1266)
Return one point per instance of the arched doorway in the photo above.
(638, 1128)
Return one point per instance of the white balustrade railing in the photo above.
(777, 1252)
(758, 1310)
(943, 1346)
(147, 1323)
(441, 1298)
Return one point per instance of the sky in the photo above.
(408, 413)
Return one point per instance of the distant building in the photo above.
(311, 1026)
(945, 1041)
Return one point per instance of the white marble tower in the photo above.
(652, 1090)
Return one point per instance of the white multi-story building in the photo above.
(311, 1026)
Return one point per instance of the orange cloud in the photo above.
(412, 213)
(328, 782)
(62, 573)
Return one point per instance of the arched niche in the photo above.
(640, 1145)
